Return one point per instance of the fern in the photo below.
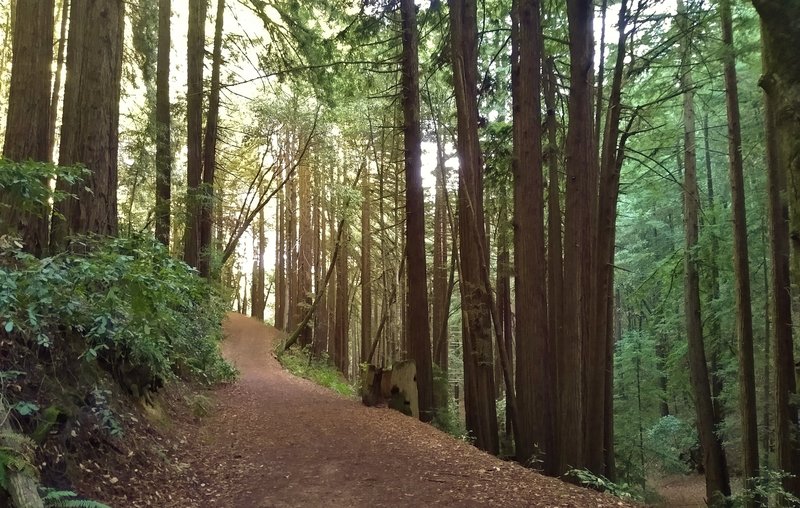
(53, 498)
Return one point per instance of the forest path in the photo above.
(274, 440)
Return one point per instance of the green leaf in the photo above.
(26, 408)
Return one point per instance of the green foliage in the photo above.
(142, 313)
(29, 183)
(300, 363)
(668, 440)
(768, 485)
(603, 484)
(53, 498)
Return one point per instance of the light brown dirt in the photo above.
(275, 440)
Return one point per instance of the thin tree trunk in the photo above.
(194, 129)
(600, 438)
(366, 267)
(206, 206)
(280, 260)
(555, 272)
(440, 310)
(715, 330)
(744, 311)
(418, 323)
(163, 126)
(717, 482)
(304, 253)
(56, 95)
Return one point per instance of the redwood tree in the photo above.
(744, 311)
(535, 377)
(476, 319)
(195, 48)
(90, 125)
(717, 482)
(163, 126)
(28, 120)
(419, 333)
(781, 84)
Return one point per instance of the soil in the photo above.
(274, 440)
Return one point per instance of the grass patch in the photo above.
(300, 363)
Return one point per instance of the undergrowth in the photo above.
(300, 363)
(141, 313)
(75, 326)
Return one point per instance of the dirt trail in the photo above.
(276, 441)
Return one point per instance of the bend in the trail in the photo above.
(277, 441)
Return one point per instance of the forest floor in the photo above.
(275, 440)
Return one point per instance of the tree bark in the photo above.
(535, 388)
(579, 353)
(194, 129)
(555, 271)
(717, 482)
(417, 320)
(599, 438)
(206, 206)
(163, 126)
(56, 95)
(90, 125)
(478, 364)
(27, 135)
(744, 311)
(305, 255)
(366, 267)
(780, 84)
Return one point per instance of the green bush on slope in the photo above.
(142, 314)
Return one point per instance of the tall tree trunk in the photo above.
(280, 261)
(259, 295)
(206, 206)
(717, 482)
(27, 135)
(366, 268)
(341, 328)
(555, 272)
(783, 149)
(418, 323)
(305, 255)
(90, 127)
(163, 126)
(195, 48)
(440, 245)
(479, 375)
(578, 345)
(715, 330)
(294, 313)
(534, 376)
(600, 438)
(320, 341)
(744, 311)
(56, 95)
(505, 270)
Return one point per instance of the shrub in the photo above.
(145, 316)
(300, 363)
